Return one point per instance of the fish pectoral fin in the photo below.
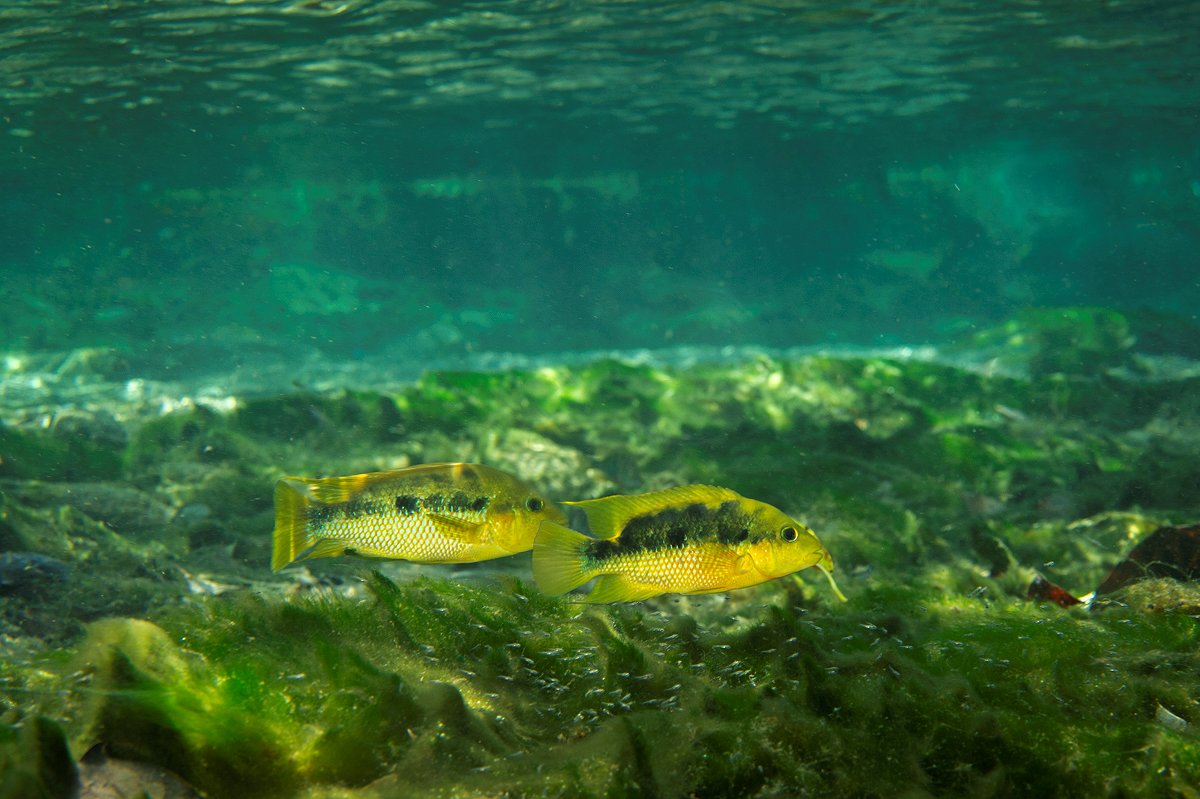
(744, 564)
(617, 588)
(458, 529)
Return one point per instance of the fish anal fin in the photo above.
(609, 515)
(618, 588)
(324, 548)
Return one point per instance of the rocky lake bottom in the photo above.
(148, 647)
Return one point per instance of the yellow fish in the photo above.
(436, 513)
(693, 539)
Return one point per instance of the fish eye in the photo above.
(789, 534)
(534, 504)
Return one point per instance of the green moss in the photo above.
(438, 688)
(35, 762)
(47, 455)
(939, 490)
(1077, 341)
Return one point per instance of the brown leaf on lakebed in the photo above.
(1172, 552)
(1043, 589)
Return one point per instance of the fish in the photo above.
(694, 539)
(434, 513)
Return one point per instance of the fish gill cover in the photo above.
(920, 276)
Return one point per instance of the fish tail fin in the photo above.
(292, 536)
(558, 558)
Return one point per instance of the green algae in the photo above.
(57, 454)
(939, 489)
(438, 688)
(35, 762)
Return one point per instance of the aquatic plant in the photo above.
(940, 490)
(444, 689)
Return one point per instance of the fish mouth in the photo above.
(825, 561)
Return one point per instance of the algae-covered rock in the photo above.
(30, 574)
(104, 777)
(436, 688)
(35, 762)
(1073, 341)
(150, 703)
(126, 510)
(940, 490)
(74, 451)
(1078, 341)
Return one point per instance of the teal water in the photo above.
(430, 179)
(921, 275)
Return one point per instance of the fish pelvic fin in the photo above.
(291, 537)
(558, 558)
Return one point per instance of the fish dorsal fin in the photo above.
(332, 490)
(609, 515)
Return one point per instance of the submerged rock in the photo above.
(76, 447)
(441, 689)
(938, 490)
(126, 510)
(35, 762)
(29, 573)
(103, 777)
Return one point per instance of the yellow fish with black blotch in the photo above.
(693, 539)
(436, 513)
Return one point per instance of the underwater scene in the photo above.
(599, 398)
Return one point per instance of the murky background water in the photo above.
(209, 183)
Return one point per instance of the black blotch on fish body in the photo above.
(480, 504)
(318, 515)
(676, 528)
(407, 504)
(459, 501)
(603, 549)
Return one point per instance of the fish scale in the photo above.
(678, 569)
(691, 539)
(373, 528)
(436, 513)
